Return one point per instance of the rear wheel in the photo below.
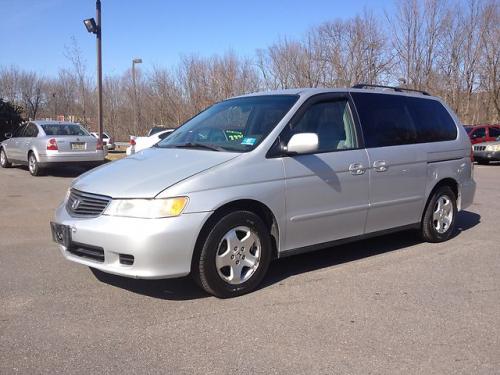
(33, 165)
(438, 221)
(235, 255)
(4, 162)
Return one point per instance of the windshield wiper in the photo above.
(199, 145)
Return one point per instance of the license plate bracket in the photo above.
(78, 146)
(61, 234)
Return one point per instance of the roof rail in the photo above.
(397, 89)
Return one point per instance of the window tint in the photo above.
(494, 132)
(19, 131)
(385, 120)
(389, 120)
(64, 129)
(31, 131)
(331, 121)
(432, 120)
(479, 133)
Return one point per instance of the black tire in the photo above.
(483, 162)
(428, 226)
(33, 165)
(4, 162)
(205, 270)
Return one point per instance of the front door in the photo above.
(326, 191)
(14, 144)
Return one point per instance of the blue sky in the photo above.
(35, 32)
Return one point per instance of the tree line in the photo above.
(449, 48)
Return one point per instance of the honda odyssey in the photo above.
(269, 175)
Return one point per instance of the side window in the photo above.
(479, 133)
(494, 132)
(432, 120)
(331, 121)
(18, 132)
(164, 135)
(385, 119)
(31, 131)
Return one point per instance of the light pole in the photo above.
(136, 102)
(95, 28)
(54, 97)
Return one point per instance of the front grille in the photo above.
(87, 251)
(82, 204)
(479, 148)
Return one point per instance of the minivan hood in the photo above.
(147, 173)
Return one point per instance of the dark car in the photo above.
(483, 133)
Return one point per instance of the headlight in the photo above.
(147, 208)
(493, 148)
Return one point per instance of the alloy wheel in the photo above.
(238, 255)
(442, 216)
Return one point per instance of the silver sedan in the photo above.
(44, 144)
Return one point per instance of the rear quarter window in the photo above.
(389, 120)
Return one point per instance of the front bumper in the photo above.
(487, 155)
(162, 248)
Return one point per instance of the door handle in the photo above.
(356, 169)
(380, 165)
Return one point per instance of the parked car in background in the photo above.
(487, 151)
(483, 133)
(46, 144)
(304, 169)
(107, 140)
(157, 129)
(140, 143)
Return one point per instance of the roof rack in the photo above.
(397, 89)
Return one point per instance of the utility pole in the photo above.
(136, 101)
(99, 69)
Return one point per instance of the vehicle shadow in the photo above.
(170, 289)
(290, 266)
(281, 269)
(65, 171)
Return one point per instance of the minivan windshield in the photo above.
(237, 125)
(64, 129)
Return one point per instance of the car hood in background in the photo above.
(149, 172)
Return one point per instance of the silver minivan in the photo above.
(269, 175)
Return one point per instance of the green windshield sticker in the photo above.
(248, 141)
(233, 135)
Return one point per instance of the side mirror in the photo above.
(303, 143)
(8, 135)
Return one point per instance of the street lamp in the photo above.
(94, 27)
(137, 109)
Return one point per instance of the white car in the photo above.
(140, 143)
(106, 139)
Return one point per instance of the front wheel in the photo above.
(438, 221)
(4, 162)
(235, 255)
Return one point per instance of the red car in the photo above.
(483, 133)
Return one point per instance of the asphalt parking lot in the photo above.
(389, 305)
